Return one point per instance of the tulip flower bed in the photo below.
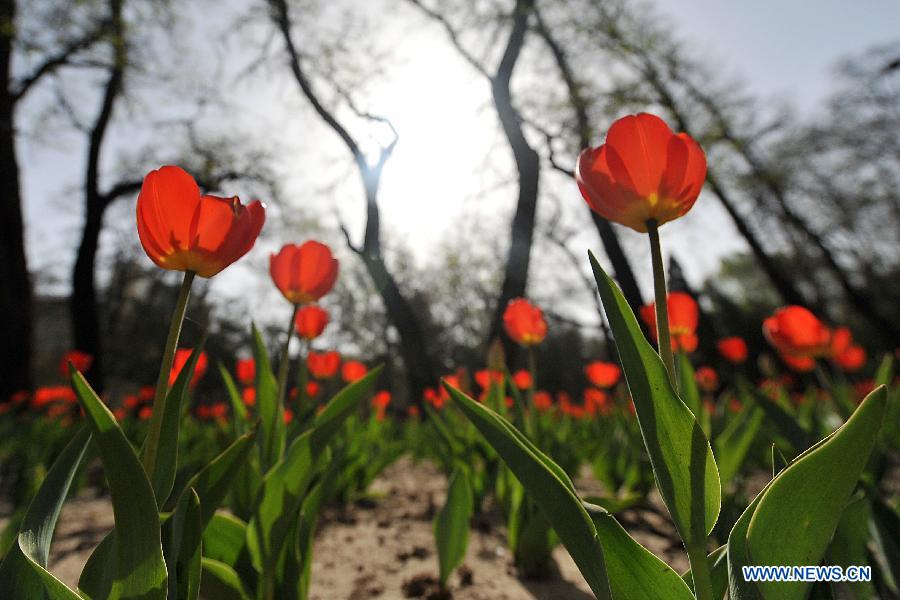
(662, 481)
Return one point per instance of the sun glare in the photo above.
(435, 101)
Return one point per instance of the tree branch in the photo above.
(59, 59)
(454, 37)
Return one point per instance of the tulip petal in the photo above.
(641, 142)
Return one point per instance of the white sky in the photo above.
(447, 128)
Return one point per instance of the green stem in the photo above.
(662, 314)
(165, 368)
(285, 359)
(700, 572)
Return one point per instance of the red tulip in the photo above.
(603, 374)
(852, 359)
(304, 273)
(312, 389)
(182, 230)
(841, 340)
(431, 396)
(353, 370)
(145, 413)
(522, 379)
(44, 396)
(800, 364)
(524, 322)
(597, 400)
(381, 399)
(311, 321)
(181, 357)
(80, 360)
(543, 400)
(323, 365)
(707, 379)
(683, 316)
(642, 172)
(797, 333)
(248, 396)
(485, 377)
(246, 371)
(146, 393)
(733, 349)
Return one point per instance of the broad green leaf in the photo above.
(271, 414)
(451, 525)
(555, 497)
(634, 572)
(682, 459)
(140, 569)
(159, 454)
(735, 441)
(798, 513)
(23, 572)
(220, 582)
(215, 479)
(223, 538)
(99, 573)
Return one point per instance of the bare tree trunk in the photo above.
(83, 304)
(528, 166)
(622, 270)
(15, 286)
(420, 371)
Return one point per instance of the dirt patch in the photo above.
(382, 547)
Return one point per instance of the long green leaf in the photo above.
(159, 454)
(237, 403)
(271, 414)
(850, 547)
(634, 572)
(799, 511)
(223, 538)
(286, 483)
(559, 503)
(23, 572)
(734, 443)
(683, 462)
(220, 582)
(140, 570)
(885, 527)
(451, 525)
(182, 533)
(213, 482)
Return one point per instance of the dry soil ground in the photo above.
(383, 548)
